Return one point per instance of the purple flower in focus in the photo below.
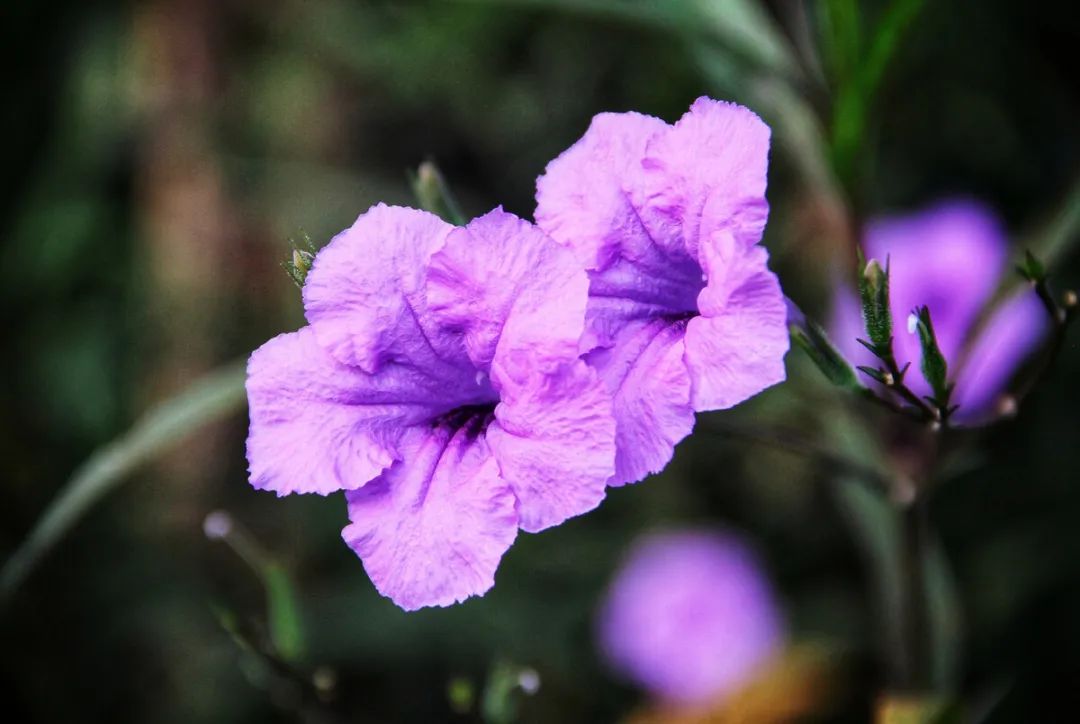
(690, 617)
(950, 258)
(683, 312)
(438, 383)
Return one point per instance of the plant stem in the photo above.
(915, 622)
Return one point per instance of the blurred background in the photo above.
(158, 156)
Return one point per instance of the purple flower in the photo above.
(690, 617)
(950, 258)
(438, 383)
(683, 312)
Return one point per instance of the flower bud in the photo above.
(874, 293)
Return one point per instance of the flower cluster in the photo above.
(461, 383)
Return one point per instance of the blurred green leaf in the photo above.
(210, 398)
(855, 90)
(282, 612)
(841, 30)
(943, 603)
(744, 26)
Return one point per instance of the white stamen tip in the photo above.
(912, 323)
(529, 681)
(217, 525)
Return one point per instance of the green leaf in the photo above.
(210, 398)
(741, 26)
(816, 343)
(282, 612)
(886, 38)
(934, 367)
(855, 89)
(841, 30)
(874, 374)
(1032, 269)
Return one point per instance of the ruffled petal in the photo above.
(363, 296)
(500, 281)
(432, 530)
(318, 426)
(647, 376)
(554, 439)
(736, 348)
(707, 174)
(1010, 336)
(580, 198)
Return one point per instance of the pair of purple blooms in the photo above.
(460, 383)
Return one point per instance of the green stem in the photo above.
(915, 622)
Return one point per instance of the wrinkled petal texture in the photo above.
(554, 438)
(580, 199)
(633, 197)
(440, 384)
(318, 426)
(707, 174)
(431, 531)
(651, 389)
(503, 283)
(690, 617)
(1008, 338)
(950, 258)
(364, 296)
(736, 347)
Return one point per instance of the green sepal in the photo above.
(299, 262)
(1031, 269)
(934, 366)
(813, 340)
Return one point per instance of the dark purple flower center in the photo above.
(473, 418)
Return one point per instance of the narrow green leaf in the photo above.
(886, 38)
(873, 373)
(282, 612)
(841, 31)
(210, 398)
(816, 343)
(934, 367)
(1032, 269)
(742, 26)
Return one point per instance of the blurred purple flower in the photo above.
(683, 312)
(438, 383)
(950, 258)
(690, 617)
